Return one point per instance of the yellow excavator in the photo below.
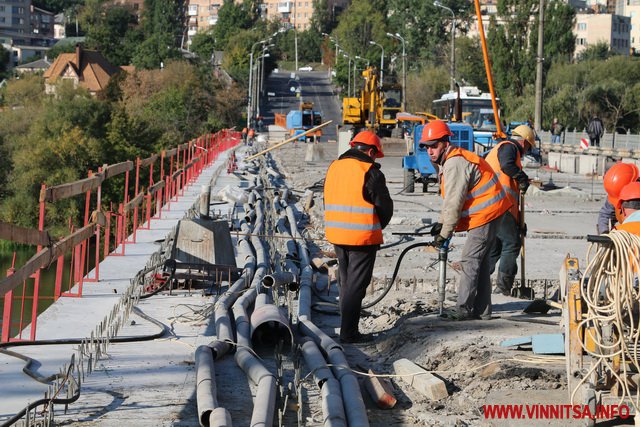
(376, 108)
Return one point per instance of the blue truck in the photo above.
(417, 165)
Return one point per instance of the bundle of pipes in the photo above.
(276, 268)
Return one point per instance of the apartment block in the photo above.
(15, 16)
(632, 10)
(201, 15)
(612, 29)
(297, 13)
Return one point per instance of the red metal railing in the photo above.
(166, 175)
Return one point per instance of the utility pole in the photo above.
(537, 120)
(452, 70)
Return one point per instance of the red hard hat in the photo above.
(434, 131)
(629, 192)
(617, 178)
(366, 137)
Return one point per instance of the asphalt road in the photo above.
(315, 86)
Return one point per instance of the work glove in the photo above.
(523, 186)
(438, 241)
(435, 229)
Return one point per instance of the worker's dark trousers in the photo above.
(474, 292)
(355, 267)
(507, 247)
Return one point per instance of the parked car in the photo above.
(306, 68)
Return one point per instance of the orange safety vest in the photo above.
(348, 218)
(509, 184)
(486, 201)
(632, 227)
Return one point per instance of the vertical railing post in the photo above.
(36, 283)
(8, 306)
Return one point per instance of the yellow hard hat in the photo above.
(526, 133)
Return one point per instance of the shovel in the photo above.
(523, 291)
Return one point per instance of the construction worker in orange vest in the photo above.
(474, 201)
(616, 178)
(357, 206)
(628, 205)
(250, 136)
(505, 160)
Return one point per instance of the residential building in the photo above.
(42, 22)
(59, 30)
(632, 10)
(38, 66)
(593, 28)
(84, 68)
(297, 13)
(14, 16)
(201, 15)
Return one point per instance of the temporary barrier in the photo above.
(105, 230)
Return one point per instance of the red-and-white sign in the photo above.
(584, 143)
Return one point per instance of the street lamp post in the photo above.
(261, 81)
(251, 88)
(404, 69)
(355, 73)
(371, 42)
(452, 84)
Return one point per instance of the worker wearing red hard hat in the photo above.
(628, 204)
(616, 178)
(475, 202)
(357, 206)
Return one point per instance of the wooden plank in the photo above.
(423, 381)
(134, 202)
(156, 187)
(149, 160)
(380, 391)
(286, 141)
(44, 257)
(192, 163)
(176, 174)
(70, 189)
(28, 236)
(117, 169)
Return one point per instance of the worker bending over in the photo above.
(505, 160)
(474, 201)
(357, 206)
(616, 178)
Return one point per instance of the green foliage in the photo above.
(231, 18)
(203, 44)
(57, 6)
(470, 64)
(108, 34)
(322, 19)
(598, 51)
(58, 139)
(160, 35)
(359, 24)
(426, 85)
(5, 58)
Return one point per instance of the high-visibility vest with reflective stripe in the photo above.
(348, 218)
(486, 201)
(632, 227)
(509, 184)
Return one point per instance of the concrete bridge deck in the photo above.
(161, 371)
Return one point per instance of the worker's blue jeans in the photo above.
(506, 247)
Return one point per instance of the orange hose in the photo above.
(487, 66)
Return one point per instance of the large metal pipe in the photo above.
(281, 279)
(205, 384)
(269, 325)
(332, 407)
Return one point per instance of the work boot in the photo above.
(504, 283)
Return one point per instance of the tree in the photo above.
(56, 6)
(322, 19)
(5, 60)
(598, 51)
(231, 18)
(162, 27)
(203, 44)
(108, 34)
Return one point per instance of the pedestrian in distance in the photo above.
(505, 160)
(474, 201)
(244, 136)
(556, 131)
(595, 130)
(357, 206)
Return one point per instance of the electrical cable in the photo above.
(609, 289)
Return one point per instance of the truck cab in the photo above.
(417, 163)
